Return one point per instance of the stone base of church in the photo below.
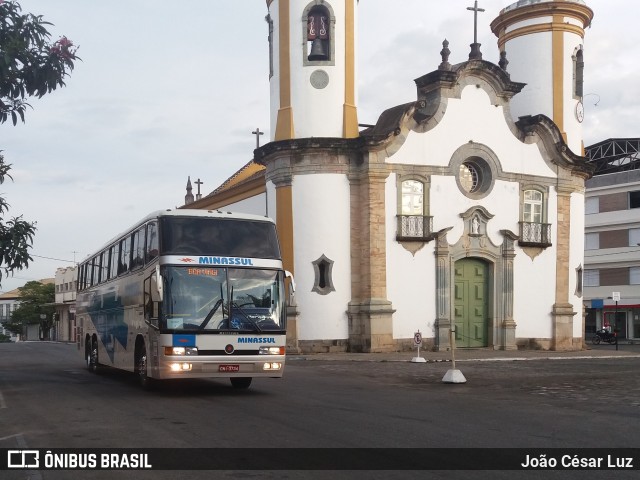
(292, 330)
(371, 326)
(323, 346)
(308, 347)
(562, 328)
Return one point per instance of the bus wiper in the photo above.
(239, 309)
(210, 315)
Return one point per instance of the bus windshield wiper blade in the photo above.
(210, 315)
(250, 320)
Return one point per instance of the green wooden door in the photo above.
(471, 303)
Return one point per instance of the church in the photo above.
(459, 214)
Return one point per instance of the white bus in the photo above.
(186, 294)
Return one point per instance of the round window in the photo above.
(470, 177)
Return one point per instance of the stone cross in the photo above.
(475, 10)
(257, 133)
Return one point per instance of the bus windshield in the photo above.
(215, 236)
(217, 299)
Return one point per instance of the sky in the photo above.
(167, 90)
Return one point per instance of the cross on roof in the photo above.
(475, 10)
(257, 133)
(198, 182)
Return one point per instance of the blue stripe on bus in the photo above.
(183, 340)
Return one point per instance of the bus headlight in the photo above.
(272, 366)
(271, 350)
(180, 367)
(180, 350)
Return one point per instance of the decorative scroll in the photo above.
(317, 27)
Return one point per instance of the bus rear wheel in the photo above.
(92, 357)
(241, 382)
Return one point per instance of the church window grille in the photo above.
(323, 269)
(533, 229)
(318, 32)
(474, 176)
(414, 224)
(470, 177)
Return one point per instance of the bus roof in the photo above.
(182, 212)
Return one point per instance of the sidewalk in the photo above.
(478, 355)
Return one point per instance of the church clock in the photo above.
(580, 112)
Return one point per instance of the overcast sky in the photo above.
(170, 89)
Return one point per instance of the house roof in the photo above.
(248, 172)
(15, 293)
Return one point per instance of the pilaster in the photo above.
(369, 312)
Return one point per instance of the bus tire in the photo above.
(141, 367)
(93, 364)
(241, 383)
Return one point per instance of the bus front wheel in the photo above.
(241, 382)
(142, 367)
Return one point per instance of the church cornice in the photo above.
(545, 9)
(335, 144)
(448, 79)
(550, 135)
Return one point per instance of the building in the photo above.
(459, 214)
(612, 238)
(65, 302)
(9, 301)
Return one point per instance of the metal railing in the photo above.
(533, 234)
(414, 228)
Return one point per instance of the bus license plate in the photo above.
(229, 368)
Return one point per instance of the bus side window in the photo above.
(137, 249)
(125, 255)
(151, 250)
(114, 260)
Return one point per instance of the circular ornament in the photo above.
(319, 79)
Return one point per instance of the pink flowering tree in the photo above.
(31, 65)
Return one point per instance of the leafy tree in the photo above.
(30, 66)
(36, 299)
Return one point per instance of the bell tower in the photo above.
(312, 73)
(543, 41)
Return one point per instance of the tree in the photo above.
(36, 307)
(30, 66)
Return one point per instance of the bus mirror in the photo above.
(156, 281)
(289, 275)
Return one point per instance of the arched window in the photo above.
(412, 197)
(318, 34)
(414, 224)
(532, 211)
(533, 229)
(578, 74)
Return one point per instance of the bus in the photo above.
(186, 294)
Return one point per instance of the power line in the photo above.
(57, 259)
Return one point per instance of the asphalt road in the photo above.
(48, 400)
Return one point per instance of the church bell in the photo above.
(318, 51)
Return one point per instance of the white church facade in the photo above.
(461, 210)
